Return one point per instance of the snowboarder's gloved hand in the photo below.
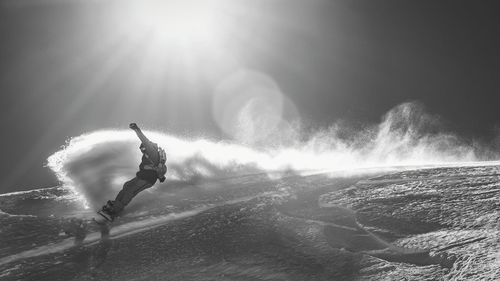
(133, 126)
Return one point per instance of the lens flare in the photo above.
(248, 105)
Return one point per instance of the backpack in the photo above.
(161, 167)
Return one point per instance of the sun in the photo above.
(176, 21)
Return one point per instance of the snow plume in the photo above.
(96, 164)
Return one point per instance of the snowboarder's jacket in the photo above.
(152, 166)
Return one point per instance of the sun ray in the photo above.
(68, 114)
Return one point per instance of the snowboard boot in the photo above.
(107, 211)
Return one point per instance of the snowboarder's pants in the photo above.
(130, 190)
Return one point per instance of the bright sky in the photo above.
(69, 67)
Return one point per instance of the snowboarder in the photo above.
(152, 168)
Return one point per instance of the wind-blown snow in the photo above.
(98, 163)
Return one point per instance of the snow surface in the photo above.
(422, 224)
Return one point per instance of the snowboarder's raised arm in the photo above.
(139, 133)
(147, 147)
